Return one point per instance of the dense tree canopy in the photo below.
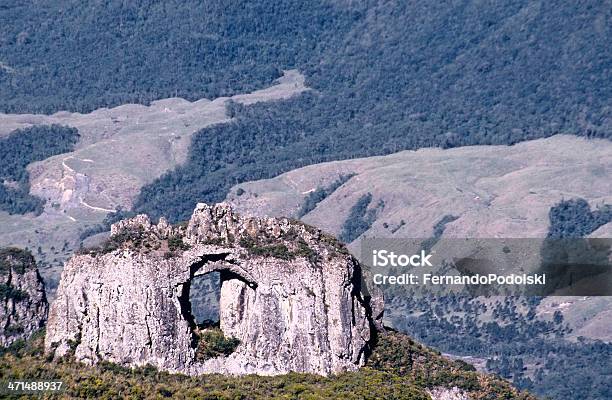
(574, 219)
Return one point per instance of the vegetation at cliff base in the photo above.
(20, 148)
(213, 343)
(385, 378)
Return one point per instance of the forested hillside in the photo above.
(82, 55)
(20, 148)
(504, 70)
(517, 344)
(574, 218)
(386, 77)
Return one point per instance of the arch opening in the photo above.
(204, 297)
(201, 304)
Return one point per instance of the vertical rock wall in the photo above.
(23, 305)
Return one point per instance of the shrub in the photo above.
(213, 343)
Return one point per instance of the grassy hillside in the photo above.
(495, 191)
(22, 147)
(399, 369)
(527, 190)
(387, 77)
(574, 218)
(408, 76)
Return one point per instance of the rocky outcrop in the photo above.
(442, 393)
(291, 297)
(23, 305)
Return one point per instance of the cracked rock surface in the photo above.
(23, 305)
(290, 294)
(442, 393)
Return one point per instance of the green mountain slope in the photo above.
(387, 76)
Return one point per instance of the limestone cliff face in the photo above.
(23, 305)
(290, 295)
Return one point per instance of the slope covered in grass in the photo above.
(386, 76)
(22, 147)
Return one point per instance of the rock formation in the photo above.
(442, 393)
(23, 305)
(291, 297)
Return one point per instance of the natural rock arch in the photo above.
(290, 294)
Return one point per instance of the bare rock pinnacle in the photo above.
(23, 305)
(291, 298)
